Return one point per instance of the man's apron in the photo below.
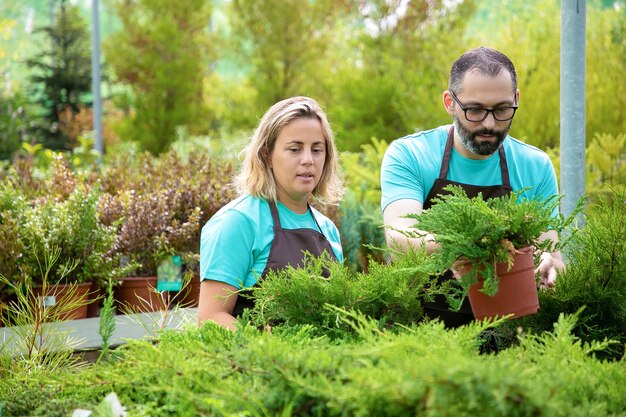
(440, 308)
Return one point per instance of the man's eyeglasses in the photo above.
(474, 114)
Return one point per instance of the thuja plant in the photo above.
(484, 233)
(106, 323)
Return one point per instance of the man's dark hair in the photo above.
(488, 61)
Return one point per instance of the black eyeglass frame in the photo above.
(487, 111)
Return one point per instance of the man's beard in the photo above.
(468, 138)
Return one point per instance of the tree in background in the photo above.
(160, 54)
(392, 85)
(61, 78)
(606, 66)
(283, 45)
(529, 33)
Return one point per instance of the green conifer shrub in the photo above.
(390, 294)
(594, 280)
(484, 233)
(419, 370)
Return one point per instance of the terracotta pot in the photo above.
(137, 294)
(56, 292)
(517, 290)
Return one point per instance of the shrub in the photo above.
(160, 211)
(387, 293)
(72, 225)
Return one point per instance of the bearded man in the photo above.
(475, 153)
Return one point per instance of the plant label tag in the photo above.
(169, 274)
(49, 301)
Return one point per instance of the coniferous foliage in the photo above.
(61, 74)
(390, 294)
(596, 274)
(423, 370)
(594, 282)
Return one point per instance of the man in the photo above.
(475, 152)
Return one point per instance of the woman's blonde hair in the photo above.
(256, 178)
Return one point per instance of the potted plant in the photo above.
(158, 215)
(486, 240)
(12, 205)
(84, 244)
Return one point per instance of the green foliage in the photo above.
(596, 274)
(37, 344)
(606, 59)
(281, 44)
(73, 226)
(380, 85)
(12, 206)
(388, 293)
(360, 220)
(486, 232)
(606, 164)
(160, 54)
(106, 323)
(13, 123)
(61, 73)
(424, 370)
(161, 211)
(593, 282)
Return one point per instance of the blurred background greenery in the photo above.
(212, 67)
(195, 76)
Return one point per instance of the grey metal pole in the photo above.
(95, 80)
(572, 139)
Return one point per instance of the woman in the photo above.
(291, 159)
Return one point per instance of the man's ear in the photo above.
(448, 102)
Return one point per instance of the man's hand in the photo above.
(548, 268)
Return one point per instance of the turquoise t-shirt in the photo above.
(411, 165)
(235, 243)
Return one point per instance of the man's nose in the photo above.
(489, 122)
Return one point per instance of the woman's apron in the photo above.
(288, 248)
(440, 308)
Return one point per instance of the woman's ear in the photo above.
(266, 157)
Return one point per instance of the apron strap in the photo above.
(276, 218)
(274, 211)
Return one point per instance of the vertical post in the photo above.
(572, 139)
(95, 79)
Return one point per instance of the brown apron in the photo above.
(288, 248)
(439, 308)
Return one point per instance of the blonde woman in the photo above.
(291, 160)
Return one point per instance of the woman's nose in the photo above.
(307, 158)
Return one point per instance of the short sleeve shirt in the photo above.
(411, 165)
(235, 243)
